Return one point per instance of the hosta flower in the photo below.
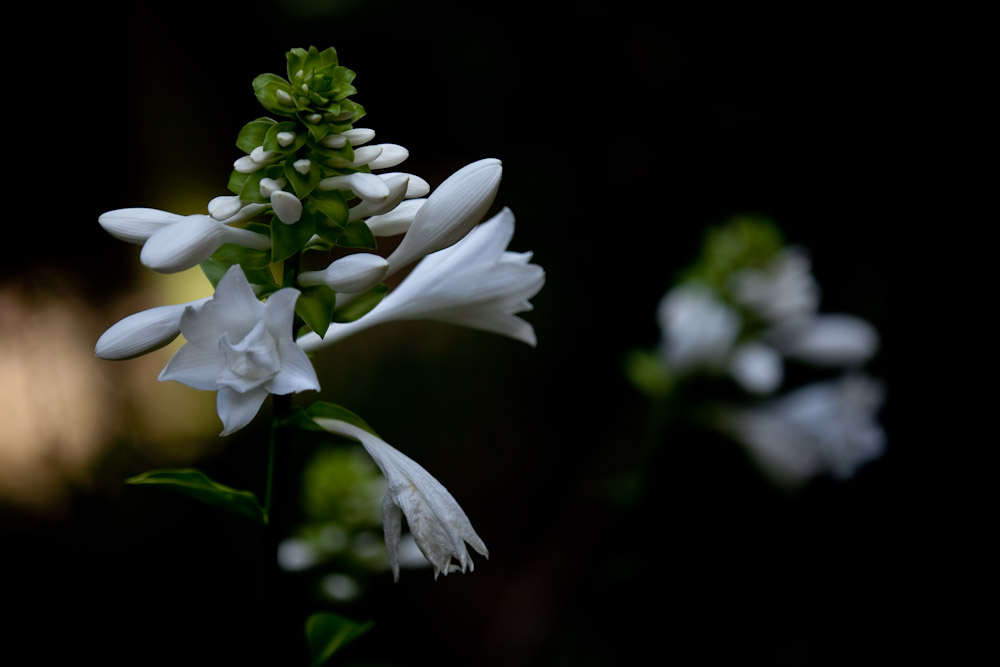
(172, 242)
(143, 332)
(783, 291)
(826, 427)
(242, 348)
(439, 526)
(827, 340)
(698, 329)
(475, 283)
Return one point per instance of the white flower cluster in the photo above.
(826, 427)
(244, 348)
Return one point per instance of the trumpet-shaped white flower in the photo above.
(143, 332)
(242, 348)
(439, 525)
(475, 283)
(826, 427)
(172, 242)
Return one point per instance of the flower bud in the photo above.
(397, 185)
(192, 240)
(359, 135)
(302, 166)
(396, 221)
(390, 156)
(450, 212)
(135, 225)
(353, 273)
(225, 207)
(286, 206)
(143, 332)
(366, 186)
(285, 138)
(828, 340)
(268, 186)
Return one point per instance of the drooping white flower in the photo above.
(826, 427)
(242, 348)
(475, 283)
(439, 525)
(143, 332)
(172, 242)
(698, 329)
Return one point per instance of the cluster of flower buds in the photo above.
(313, 182)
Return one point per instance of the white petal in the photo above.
(182, 244)
(353, 273)
(224, 207)
(246, 165)
(416, 187)
(397, 192)
(359, 135)
(236, 409)
(366, 186)
(286, 206)
(297, 372)
(135, 225)
(197, 366)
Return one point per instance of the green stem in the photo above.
(282, 406)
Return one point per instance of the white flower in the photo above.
(453, 209)
(348, 274)
(826, 427)
(785, 290)
(757, 367)
(241, 347)
(172, 242)
(437, 522)
(143, 332)
(698, 329)
(475, 283)
(827, 340)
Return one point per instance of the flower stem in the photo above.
(282, 406)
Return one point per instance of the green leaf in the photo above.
(286, 240)
(354, 234)
(253, 133)
(196, 484)
(326, 410)
(315, 307)
(332, 205)
(236, 181)
(303, 184)
(361, 305)
(248, 258)
(327, 632)
(215, 269)
(266, 87)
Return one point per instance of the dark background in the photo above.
(623, 133)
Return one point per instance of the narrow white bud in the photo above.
(390, 156)
(302, 166)
(246, 165)
(286, 206)
(305, 88)
(314, 117)
(366, 186)
(359, 135)
(397, 192)
(353, 273)
(261, 156)
(143, 332)
(334, 141)
(285, 138)
(362, 156)
(283, 98)
(300, 75)
(396, 221)
(135, 225)
(417, 187)
(269, 186)
(224, 207)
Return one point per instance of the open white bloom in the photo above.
(172, 242)
(242, 348)
(143, 332)
(698, 329)
(826, 427)
(475, 283)
(436, 520)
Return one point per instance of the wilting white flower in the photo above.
(172, 242)
(826, 427)
(475, 283)
(241, 347)
(143, 332)
(437, 522)
(783, 291)
(698, 329)
(453, 209)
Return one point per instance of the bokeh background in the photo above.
(624, 133)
